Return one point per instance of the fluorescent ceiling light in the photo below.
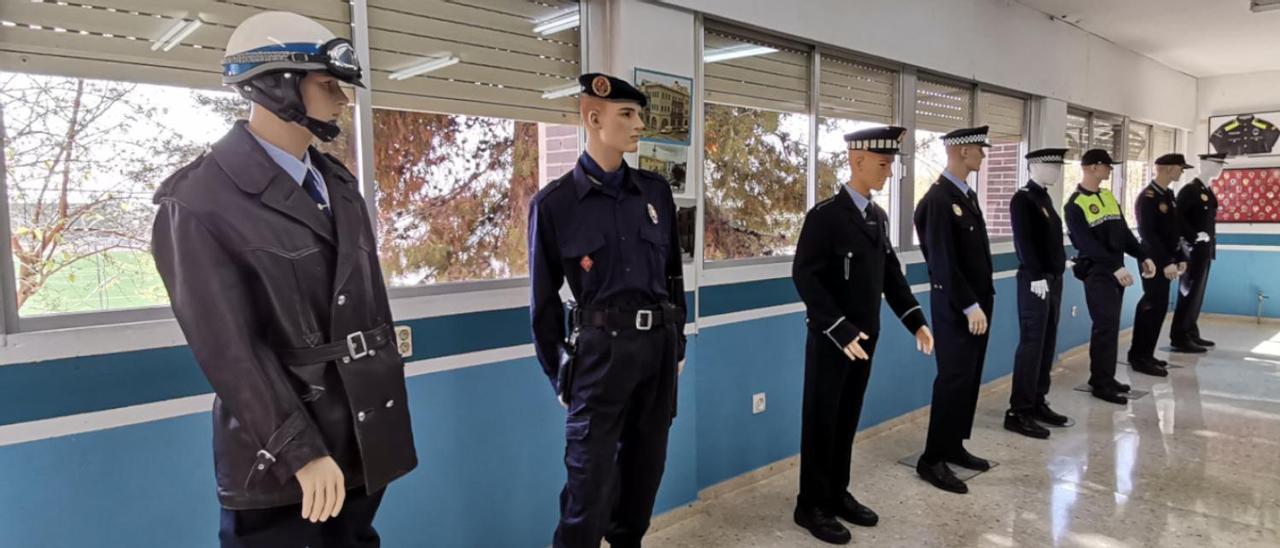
(736, 52)
(562, 92)
(181, 29)
(1259, 6)
(434, 63)
(557, 23)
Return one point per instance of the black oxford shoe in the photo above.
(965, 459)
(1022, 423)
(941, 477)
(1043, 414)
(822, 525)
(1202, 342)
(1109, 394)
(854, 512)
(1148, 366)
(1187, 347)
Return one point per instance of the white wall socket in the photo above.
(404, 340)
(757, 403)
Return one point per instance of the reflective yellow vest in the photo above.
(1098, 208)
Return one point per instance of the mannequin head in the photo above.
(613, 126)
(1095, 175)
(1167, 175)
(1047, 175)
(965, 159)
(870, 170)
(324, 99)
(1209, 170)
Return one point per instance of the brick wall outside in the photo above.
(997, 181)
(557, 151)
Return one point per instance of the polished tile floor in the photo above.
(1196, 463)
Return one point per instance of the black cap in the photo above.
(881, 140)
(1220, 157)
(607, 87)
(1097, 156)
(967, 136)
(1173, 160)
(1047, 156)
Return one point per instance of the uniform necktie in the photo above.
(973, 199)
(312, 187)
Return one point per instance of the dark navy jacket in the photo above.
(1037, 233)
(613, 237)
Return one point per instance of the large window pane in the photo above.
(1106, 132)
(453, 192)
(82, 159)
(1002, 172)
(1137, 168)
(853, 96)
(756, 140)
(1077, 142)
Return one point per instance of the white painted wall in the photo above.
(1233, 94)
(995, 41)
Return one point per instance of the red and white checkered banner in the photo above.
(1248, 195)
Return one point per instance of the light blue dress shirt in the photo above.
(297, 169)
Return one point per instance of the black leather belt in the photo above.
(356, 345)
(640, 319)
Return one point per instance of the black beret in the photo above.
(607, 87)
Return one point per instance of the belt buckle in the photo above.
(356, 341)
(644, 320)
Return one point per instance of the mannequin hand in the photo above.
(924, 340)
(1182, 268)
(1124, 277)
(1171, 271)
(977, 321)
(680, 368)
(1040, 288)
(1148, 269)
(1202, 237)
(563, 403)
(854, 351)
(323, 489)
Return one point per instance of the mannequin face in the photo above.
(1047, 175)
(1168, 175)
(1209, 170)
(870, 169)
(973, 156)
(615, 125)
(1099, 172)
(323, 97)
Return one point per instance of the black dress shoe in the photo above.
(1160, 362)
(854, 512)
(1148, 366)
(1120, 387)
(1202, 342)
(1187, 347)
(822, 525)
(964, 459)
(1022, 423)
(1043, 414)
(941, 477)
(1109, 394)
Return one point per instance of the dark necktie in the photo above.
(973, 199)
(312, 187)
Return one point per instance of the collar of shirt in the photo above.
(295, 168)
(960, 184)
(1157, 187)
(611, 179)
(858, 200)
(1033, 185)
(1081, 189)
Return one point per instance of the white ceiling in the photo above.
(1199, 37)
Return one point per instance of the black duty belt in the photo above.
(355, 346)
(640, 319)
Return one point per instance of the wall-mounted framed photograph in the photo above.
(1247, 134)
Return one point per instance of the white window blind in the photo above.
(856, 91)
(1163, 140)
(114, 39)
(1139, 139)
(742, 71)
(943, 107)
(503, 66)
(1006, 115)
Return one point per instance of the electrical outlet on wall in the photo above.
(404, 340)
(757, 403)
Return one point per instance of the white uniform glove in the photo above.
(1040, 288)
(1202, 237)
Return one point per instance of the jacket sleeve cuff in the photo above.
(913, 319)
(292, 446)
(841, 332)
(969, 309)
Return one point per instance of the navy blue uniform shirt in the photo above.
(613, 237)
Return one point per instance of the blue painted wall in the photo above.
(490, 437)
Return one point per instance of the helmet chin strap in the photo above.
(279, 93)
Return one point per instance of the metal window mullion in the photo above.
(364, 111)
(8, 284)
(697, 122)
(906, 114)
(811, 178)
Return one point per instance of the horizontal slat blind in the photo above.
(1077, 134)
(1006, 115)
(856, 91)
(504, 67)
(1139, 138)
(776, 81)
(1163, 140)
(112, 39)
(943, 107)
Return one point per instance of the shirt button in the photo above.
(391, 403)
(342, 299)
(360, 416)
(624, 238)
(346, 359)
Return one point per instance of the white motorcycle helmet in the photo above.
(269, 54)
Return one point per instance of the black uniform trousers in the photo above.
(834, 387)
(960, 356)
(1104, 296)
(284, 526)
(1037, 342)
(1186, 314)
(621, 404)
(1149, 317)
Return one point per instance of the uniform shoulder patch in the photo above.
(1149, 194)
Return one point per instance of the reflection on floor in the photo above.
(1196, 464)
